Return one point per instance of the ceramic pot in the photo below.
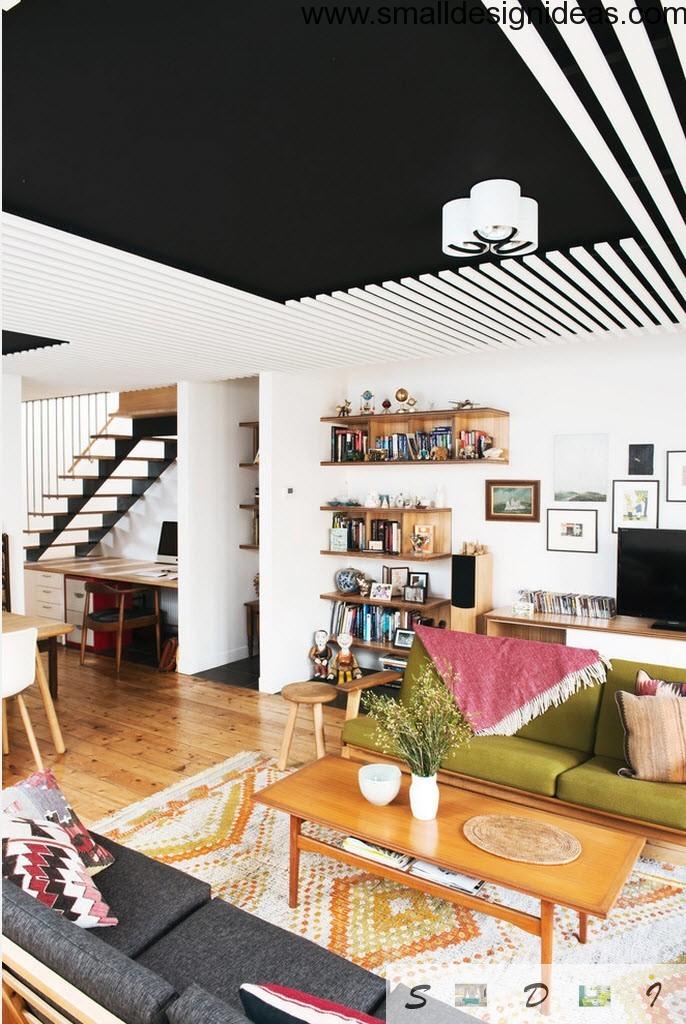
(424, 796)
(379, 783)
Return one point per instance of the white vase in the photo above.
(424, 796)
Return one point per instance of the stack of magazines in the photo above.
(378, 853)
(419, 868)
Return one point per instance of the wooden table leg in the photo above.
(52, 666)
(352, 707)
(547, 924)
(583, 927)
(44, 688)
(294, 861)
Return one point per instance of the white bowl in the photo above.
(379, 783)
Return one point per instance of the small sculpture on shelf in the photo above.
(320, 654)
(367, 403)
(405, 400)
(420, 542)
(493, 453)
(344, 408)
(386, 405)
(364, 585)
(439, 453)
(473, 547)
(343, 667)
(465, 403)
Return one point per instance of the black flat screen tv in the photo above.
(651, 576)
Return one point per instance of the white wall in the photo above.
(215, 577)
(13, 500)
(137, 533)
(629, 388)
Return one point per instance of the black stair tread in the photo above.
(117, 476)
(128, 437)
(72, 515)
(68, 529)
(124, 458)
(61, 544)
(111, 494)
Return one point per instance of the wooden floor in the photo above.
(129, 737)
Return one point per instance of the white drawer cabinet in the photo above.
(75, 591)
(76, 634)
(44, 594)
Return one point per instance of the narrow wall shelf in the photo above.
(407, 556)
(408, 606)
(249, 547)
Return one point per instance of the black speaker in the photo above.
(463, 591)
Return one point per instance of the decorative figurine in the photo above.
(466, 403)
(367, 403)
(384, 501)
(320, 654)
(344, 408)
(407, 403)
(419, 542)
(493, 453)
(364, 585)
(386, 405)
(343, 666)
(372, 500)
(438, 454)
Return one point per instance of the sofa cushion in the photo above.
(277, 1004)
(597, 784)
(149, 897)
(124, 987)
(654, 737)
(610, 733)
(513, 761)
(220, 947)
(197, 1006)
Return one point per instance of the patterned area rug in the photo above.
(208, 826)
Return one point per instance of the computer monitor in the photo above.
(167, 549)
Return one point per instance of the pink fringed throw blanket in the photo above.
(500, 684)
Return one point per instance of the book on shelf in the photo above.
(585, 606)
(388, 532)
(475, 443)
(380, 854)
(442, 876)
(370, 623)
(393, 663)
(348, 444)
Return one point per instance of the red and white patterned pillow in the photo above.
(273, 1004)
(40, 798)
(647, 687)
(38, 856)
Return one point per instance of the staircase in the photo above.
(112, 472)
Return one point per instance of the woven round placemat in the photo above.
(522, 839)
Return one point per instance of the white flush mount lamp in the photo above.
(496, 218)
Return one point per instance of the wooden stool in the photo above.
(315, 694)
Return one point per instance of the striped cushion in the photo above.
(647, 687)
(273, 1004)
(654, 737)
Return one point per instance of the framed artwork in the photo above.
(635, 504)
(581, 462)
(513, 501)
(573, 529)
(338, 538)
(418, 579)
(423, 538)
(641, 458)
(381, 592)
(398, 576)
(415, 595)
(676, 476)
(403, 638)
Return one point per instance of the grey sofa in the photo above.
(177, 956)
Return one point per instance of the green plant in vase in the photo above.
(421, 732)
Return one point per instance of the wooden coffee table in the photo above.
(326, 793)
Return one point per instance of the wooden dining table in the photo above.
(48, 631)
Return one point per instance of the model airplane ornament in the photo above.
(465, 404)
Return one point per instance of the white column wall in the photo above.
(13, 488)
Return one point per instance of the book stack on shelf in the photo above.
(348, 445)
(384, 535)
(588, 606)
(474, 444)
(371, 623)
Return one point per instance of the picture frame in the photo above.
(381, 592)
(418, 579)
(414, 595)
(338, 538)
(427, 532)
(403, 639)
(513, 501)
(375, 545)
(641, 459)
(398, 576)
(635, 504)
(572, 530)
(676, 476)
(581, 467)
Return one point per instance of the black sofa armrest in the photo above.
(197, 1006)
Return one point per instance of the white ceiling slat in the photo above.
(481, 329)
(534, 298)
(601, 275)
(577, 319)
(640, 260)
(371, 295)
(626, 274)
(559, 282)
(587, 284)
(459, 301)
(397, 300)
(586, 50)
(539, 60)
(639, 52)
(485, 281)
(484, 300)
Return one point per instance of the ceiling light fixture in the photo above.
(496, 218)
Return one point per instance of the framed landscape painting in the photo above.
(676, 476)
(581, 462)
(513, 501)
(573, 529)
(635, 504)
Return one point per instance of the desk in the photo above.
(121, 570)
(48, 630)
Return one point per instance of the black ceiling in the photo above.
(232, 140)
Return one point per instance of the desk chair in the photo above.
(119, 618)
(18, 673)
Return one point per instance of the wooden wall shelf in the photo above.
(249, 547)
(252, 508)
(440, 518)
(381, 513)
(385, 556)
(374, 645)
(249, 465)
(430, 415)
(406, 606)
(421, 462)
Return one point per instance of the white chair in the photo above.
(18, 673)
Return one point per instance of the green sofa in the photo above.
(571, 753)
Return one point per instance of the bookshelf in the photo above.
(441, 519)
(252, 507)
(494, 423)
